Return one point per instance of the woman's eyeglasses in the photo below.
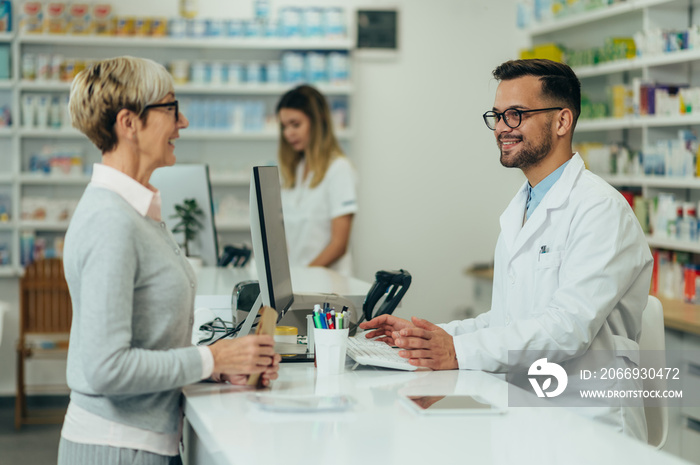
(512, 117)
(173, 104)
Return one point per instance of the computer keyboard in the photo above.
(369, 352)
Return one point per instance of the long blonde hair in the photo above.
(323, 146)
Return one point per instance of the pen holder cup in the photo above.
(331, 346)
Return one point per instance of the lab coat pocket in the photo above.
(549, 260)
(546, 278)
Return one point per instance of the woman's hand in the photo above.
(241, 380)
(244, 356)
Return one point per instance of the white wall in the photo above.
(431, 186)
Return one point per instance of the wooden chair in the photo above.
(44, 328)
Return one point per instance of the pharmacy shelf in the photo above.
(239, 225)
(661, 121)
(259, 89)
(582, 19)
(42, 179)
(233, 179)
(187, 134)
(225, 134)
(43, 225)
(45, 86)
(242, 43)
(611, 124)
(671, 244)
(229, 179)
(7, 226)
(49, 133)
(602, 124)
(652, 181)
(650, 61)
(194, 141)
(202, 89)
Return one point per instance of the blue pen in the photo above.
(322, 316)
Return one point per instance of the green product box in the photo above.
(4, 61)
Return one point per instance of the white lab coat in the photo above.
(308, 212)
(587, 292)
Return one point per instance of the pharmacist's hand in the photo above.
(245, 355)
(385, 326)
(426, 345)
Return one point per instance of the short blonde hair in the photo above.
(100, 91)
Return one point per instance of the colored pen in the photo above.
(344, 316)
(317, 317)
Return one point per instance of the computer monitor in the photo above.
(272, 260)
(189, 181)
(269, 244)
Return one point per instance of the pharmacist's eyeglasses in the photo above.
(512, 117)
(172, 104)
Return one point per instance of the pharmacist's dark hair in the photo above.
(559, 82)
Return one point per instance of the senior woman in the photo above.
(131, 286)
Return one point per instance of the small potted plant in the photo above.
(189, 213)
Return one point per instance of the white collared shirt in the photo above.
(83, 427)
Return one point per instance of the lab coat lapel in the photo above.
(554, 199)
(512, 218)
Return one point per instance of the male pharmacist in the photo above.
(572, 267)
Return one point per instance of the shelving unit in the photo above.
(230, 154)
(195, 43)
(638, 122)
(587, 18)
(589, 29)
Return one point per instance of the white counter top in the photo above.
(228, 429)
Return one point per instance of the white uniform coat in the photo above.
(587, 292)
(308, 212)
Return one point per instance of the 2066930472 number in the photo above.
(640, 373)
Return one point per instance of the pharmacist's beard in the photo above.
(528, 154)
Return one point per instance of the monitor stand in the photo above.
(250, 319)
(296, 315)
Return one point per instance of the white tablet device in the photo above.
(449, 405)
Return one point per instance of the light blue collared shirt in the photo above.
(537, 193)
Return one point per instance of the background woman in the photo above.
(318, 196)
(131, 286)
